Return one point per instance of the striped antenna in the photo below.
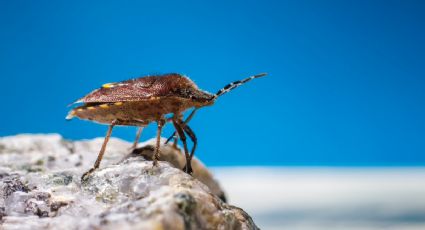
(236, 84)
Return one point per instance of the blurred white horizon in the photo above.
(328, 197)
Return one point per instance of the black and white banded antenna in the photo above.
(236, 84)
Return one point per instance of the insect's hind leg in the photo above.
(101, 152)
(182, 136)
(192, 136)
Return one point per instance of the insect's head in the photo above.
(203, 98)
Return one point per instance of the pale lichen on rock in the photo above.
(40, 188)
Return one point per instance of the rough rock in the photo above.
(40, 188)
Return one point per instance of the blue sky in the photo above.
(345, 86)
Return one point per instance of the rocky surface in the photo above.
(40, 188)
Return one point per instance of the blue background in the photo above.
(345, 86)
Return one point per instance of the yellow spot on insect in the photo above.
(118, 103)
(108, 85)
(104, 106)
(90, 108)
(79, 110)
(70, 115)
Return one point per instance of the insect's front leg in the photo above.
(179, 128)
(185, 122)
(192, 136)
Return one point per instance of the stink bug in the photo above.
(140, 101)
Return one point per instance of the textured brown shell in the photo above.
(143, 88)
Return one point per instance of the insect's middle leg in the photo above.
(101, 152)
(161, 123)
(136, 140)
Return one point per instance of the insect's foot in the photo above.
(154, 163)
(86, 175)
(188, 170)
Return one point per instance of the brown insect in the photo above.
(140, 101)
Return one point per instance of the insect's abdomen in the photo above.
(135, 113)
